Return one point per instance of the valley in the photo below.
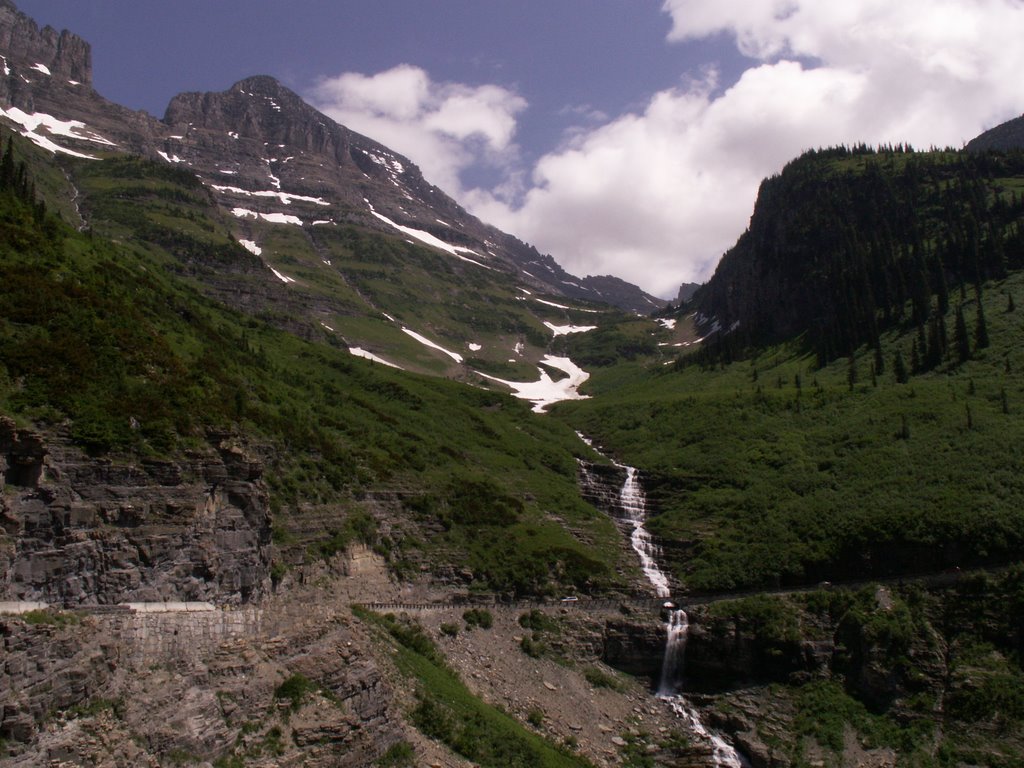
(303, 464)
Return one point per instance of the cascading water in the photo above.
(678, 626)
(634, 506)
(723, 755)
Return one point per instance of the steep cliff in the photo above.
(64, 54)
(86, 531)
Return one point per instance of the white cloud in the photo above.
(442, 127)
(656, 196)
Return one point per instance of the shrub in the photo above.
(538, 621)
(532, 647)
(399, 755)
(295, 690)
(601, 679)
(478, 617)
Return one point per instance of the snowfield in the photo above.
(251, 247)
(273, 218)
(71, 129)
(429, 239)
(546, 391)
(283, 278)
(285, 197)
(358, 352)
(428, 343)
(565, 330)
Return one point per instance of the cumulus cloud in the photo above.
(657, 196)
(443, 127)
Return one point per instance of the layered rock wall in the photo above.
(84, 531)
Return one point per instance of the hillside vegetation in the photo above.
(120, 344)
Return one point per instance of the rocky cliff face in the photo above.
(84, 531)
(635, 647)
(66, 55)
(140, 689)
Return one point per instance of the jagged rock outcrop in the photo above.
(126, 689)
(84, 531)
(65, 54)
(601, 485)
(260, 137)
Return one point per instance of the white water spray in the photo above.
(634, 504)
(678, 626)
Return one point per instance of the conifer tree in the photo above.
(981, 340)
(960, 337)
(899, 368)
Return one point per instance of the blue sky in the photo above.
(624, 137)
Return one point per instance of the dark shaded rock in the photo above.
(634, 648)
(66, 55)
(88, 531)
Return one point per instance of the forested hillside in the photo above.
(861, 418)
(845, 244)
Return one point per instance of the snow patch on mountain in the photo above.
(565, 330)
(546, 391)
(563, 306)
(273, 218)
(284, 197)
(283, 278)
(71, 129)
(251, 247)
(358, 352)
(428, 343)
(429, 239)
(41, 68)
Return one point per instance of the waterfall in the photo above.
(634, 506)
(723, 755)
(677, 628)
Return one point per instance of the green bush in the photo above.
(400, 755)
(478, 617)
(538, 621)
(601, 679)
(295, 689)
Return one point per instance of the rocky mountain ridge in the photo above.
(259, 138)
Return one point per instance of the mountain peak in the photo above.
(62, 54)
(263, 85)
